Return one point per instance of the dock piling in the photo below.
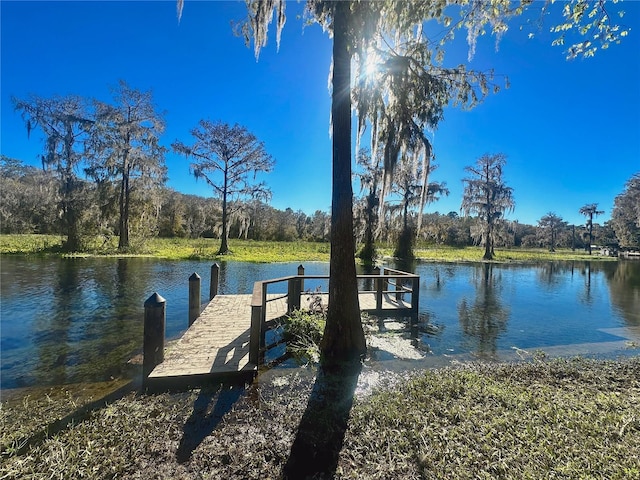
(301, 273)
(215, 278)
(379, 287)
(194, 298)
(154, 332)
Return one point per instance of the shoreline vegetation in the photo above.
(559, 418)
(271, 251)
(537, 418)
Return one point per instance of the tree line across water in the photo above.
(103, 175)
(31, 202)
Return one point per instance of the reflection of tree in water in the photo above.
(437, 277)
(623, 279)
(92, 326)
(585, 271)
(485, 319)
(552, 273)
(54, 325)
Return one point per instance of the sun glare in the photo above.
(371, 65)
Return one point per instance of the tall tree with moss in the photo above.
(64, 122)
(411, 192)
(28, 198)
(625, 217)
(401, 88)
(398, 92)
(228, 158)
(487, 196)
(590, 210)
(551, 225)
(124, 148)
(370, 177)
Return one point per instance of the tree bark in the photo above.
(488, 243)
(123, 241)
(224, 245)
(343, 335)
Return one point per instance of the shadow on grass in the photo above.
(320, 435)
(211, 405)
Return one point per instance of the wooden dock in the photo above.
(217, 345)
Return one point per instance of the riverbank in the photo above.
(560, 418)
(266, 252)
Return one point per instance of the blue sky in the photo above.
(570, 129)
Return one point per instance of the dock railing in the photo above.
(381, 293)
(388, 286)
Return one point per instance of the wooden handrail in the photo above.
(387, 276)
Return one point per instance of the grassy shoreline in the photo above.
(563, 418)
(267, 251)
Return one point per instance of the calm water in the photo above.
(74, 320)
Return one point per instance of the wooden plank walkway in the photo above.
(217, 344)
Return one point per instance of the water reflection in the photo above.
(70, 320)
(624, 290)
(53, 324)
(484, 318)
(552, 274)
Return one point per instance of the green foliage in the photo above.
(267, 252)
(30, 244)
(592, 26)
(590, 210)
(228, 158)
(368, 253)
(487, 195)
(131, 124)
(404, 247)
(551, 224)
(303, 331)
(625, 217)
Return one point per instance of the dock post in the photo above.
(379, 286)
(154, 326)
(255, 335)
(294, 291)
(293, 295)
(415, 298)
(399, 288)
(301, 284)
(215, 278)
(194, 298)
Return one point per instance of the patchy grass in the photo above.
(30, 244)
(33, 412)
(559, 419)
(172, 248)
(515, 255)
(259, 251)
(266, 251)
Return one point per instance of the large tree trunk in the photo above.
(368, 252)
(123, 241)
(488, 243)
(224, 245)
(71, 214)
(343, 335)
